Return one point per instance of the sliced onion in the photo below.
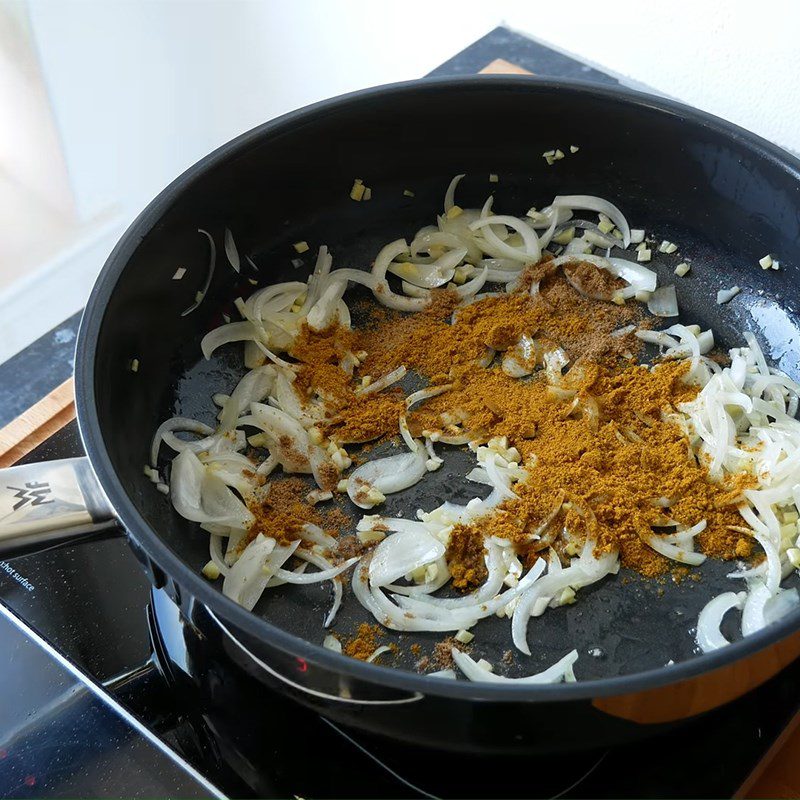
(252, 388)
(246, 580)
(230, 250)
(531, 251)
(176, 424)
(672, 551)
(323, 313)
(401, 553)
(200, 496)
(377, 652)
(380, 286)
(430, 276)
(753, 609)
(315, 535)
(224, 334)
(315, 577)
(708, 635)
(554, 674)
(450, 194)
(216, 554)
(415, 291)
(426, 240)
(474, 285)
(288, 439)
(383, 382)
(212, 263)
(426, 394)
(663, 302)
(386, 475)
(448, 674)
(585, 202)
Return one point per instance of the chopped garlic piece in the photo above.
(300, 247)
(671, 247)
(454, 211)
(573, 148)
(776, 265)
(637, 236)
(567, 596)
(682, 269)
(642, 296)
(368, 537)
(465, 637)
(493, 178)
(318, 496)
(606, 225)
(368, 193)
(793, 554)
(726, 295)
(342, 485)
(357, 192)
(460, 275)
(315, 434)
(766, 261)
(641, 246)
(788, 531)
(643, 255)
(370, 497)
(134, 365)
(330, 642)
(211, 571)
(558, 155)
(342, 462)
(618, 298)
(484, 664)
(179, 273)
(565, 237)
(408, 193)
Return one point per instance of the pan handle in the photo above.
(51, 503)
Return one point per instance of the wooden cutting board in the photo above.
(777, 775)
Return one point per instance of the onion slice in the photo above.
(709, 636)
(554, 674)
(374, 479)
(401, 553)
(212, 263)
(586, 202)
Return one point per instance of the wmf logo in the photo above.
(33, 493)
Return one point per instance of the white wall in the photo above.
(143, 88)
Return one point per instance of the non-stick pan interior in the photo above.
(697, 183)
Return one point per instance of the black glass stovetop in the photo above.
(83, 712)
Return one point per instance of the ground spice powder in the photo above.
(365, 642)
(281, 510)
(602, 456)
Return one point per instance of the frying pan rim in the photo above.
(260, 628)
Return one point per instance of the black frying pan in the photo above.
(726, 196)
